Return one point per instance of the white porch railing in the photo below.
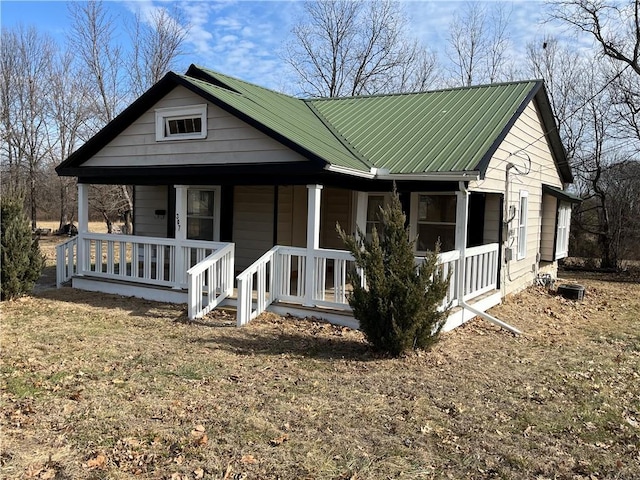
(280, 274)
(481, 270)
(148, 260)
(66, 260)
(210, 281)
(260, 277)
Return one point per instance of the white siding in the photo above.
(252, 223)
(229, 140)
(148, 199)
(526, 135)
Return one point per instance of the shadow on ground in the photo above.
(303, 344)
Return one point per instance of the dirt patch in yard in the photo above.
(100, 386)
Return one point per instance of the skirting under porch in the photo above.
(285, 280)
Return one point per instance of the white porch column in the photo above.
(83, 226)
(180, 233)
(314, 196)
(462, 216)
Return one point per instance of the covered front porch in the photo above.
(305, 281)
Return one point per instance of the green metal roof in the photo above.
(454, 130)
(439, 131)
(288, 116)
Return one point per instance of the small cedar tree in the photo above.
(398, 307)
(21, 261)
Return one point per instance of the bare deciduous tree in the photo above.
(26, 56)
(92, 38)
(156, 42)
(155, 45)
(70, 111)
(615, 27)
(478, 44)
(344, 47)
(611, 115)
(547, 59)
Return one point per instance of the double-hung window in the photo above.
(522, 224)
(436, 221)
(181, 123)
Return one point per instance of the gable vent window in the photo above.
(181, 123)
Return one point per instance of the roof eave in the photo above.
(150, 98)
(483, 165)
(118, 124)
(380, 174)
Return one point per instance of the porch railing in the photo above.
(260, 277)
(148, 260)
(210, 281)
(280, 275)
(481, 270)
(66, 261)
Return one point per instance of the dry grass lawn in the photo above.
(98, 386)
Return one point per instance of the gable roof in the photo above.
(437, 132)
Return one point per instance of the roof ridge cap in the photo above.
(423, 92)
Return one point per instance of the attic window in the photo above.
(181, 123)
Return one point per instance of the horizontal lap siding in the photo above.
(336, 208)
(292, 216)
(526, 135)
(252, 223)
(148, 199)
(229, 140)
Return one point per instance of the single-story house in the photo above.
(238, 189)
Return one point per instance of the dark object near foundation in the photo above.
(571, 290)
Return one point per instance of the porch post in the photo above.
(83, 225)
(462, 216)
(314, 193)
(180, 235)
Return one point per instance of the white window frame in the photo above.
(562, 231)
(523, 214)
(414, 219)
(216, 209)
(163, 115)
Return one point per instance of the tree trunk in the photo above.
(32, 193)
(108, 221)
(127, 214)
(63, 214)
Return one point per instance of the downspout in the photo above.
(461, 276)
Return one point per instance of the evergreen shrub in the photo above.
(398, 306)
(21, 262)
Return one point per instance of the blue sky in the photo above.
(246, 38)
